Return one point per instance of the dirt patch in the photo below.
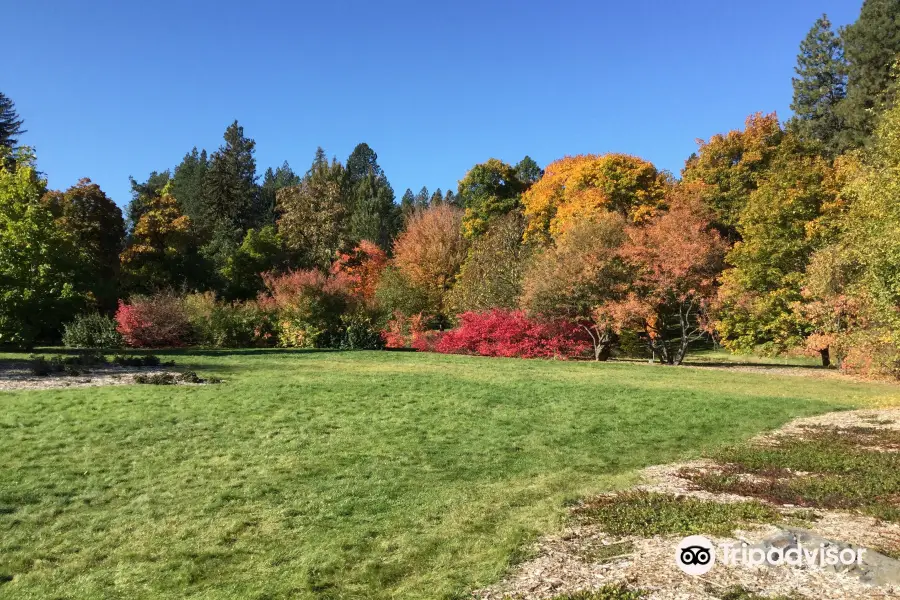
(584, 557)
(16, 377)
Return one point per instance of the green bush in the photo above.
(92, 330)
(361, 332)
(230, 325)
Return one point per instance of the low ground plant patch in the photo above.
(854, 468)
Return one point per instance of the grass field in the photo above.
(346, 475)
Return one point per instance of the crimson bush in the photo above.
(157, 321)
(511, 333)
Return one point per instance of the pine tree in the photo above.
(871, 46)
(407, 205)
(821, 84)
(422, 198)
(10, 123)
(371, 198)
(528, 172)
(188, 186)
(273, 181)
(231, 202)
(437, 198)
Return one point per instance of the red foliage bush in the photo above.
(410, 332)
(157, 321)
(513, 334)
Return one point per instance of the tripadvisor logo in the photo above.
(696, 555)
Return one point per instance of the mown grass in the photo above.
(345, 475)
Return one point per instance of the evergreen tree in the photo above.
(273, 181)
(361, 162)
(820, 85)
(528, 172)
(407, 205)
(371, 198)
(10, 123)
(188, 186)
(231, 199)
(422, 198)
(437, 198)
(871, 46)
(451, 198)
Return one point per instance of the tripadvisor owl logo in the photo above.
(695, 555)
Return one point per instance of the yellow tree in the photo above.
(157, 250)
(586, 186)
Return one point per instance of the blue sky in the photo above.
(112, 89)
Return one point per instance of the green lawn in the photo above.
(345, 475)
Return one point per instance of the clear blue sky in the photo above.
(112, 89)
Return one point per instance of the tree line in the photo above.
(777, 237)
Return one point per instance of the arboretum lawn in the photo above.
(346, 475)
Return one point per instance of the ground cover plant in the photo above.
(319, 474)
(844, 468)
(648, 513)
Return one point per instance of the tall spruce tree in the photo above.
(407, 205)
(821, 84)
(231, 202)
(10, 123)
(370, 198)
(871, 46)
(188, 187)
(273, 181)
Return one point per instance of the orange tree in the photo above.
(673, 260)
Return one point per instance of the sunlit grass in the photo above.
(345, 475)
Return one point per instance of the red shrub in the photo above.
(157, 321)
(513, 334)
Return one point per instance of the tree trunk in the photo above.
(826, 357)
(601, 352)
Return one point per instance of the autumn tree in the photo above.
(584, 187)
(491, 276)
(274, 180)
(732, 165)
(96, 226)
(38, 260)
(857, 276)
(142, 193)
(820, 85)
(779, 229)
(313, 218)
(157, 255)
(574, 277)
(673, 260)
(431, 250)
(361, 268)
(490, 189)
